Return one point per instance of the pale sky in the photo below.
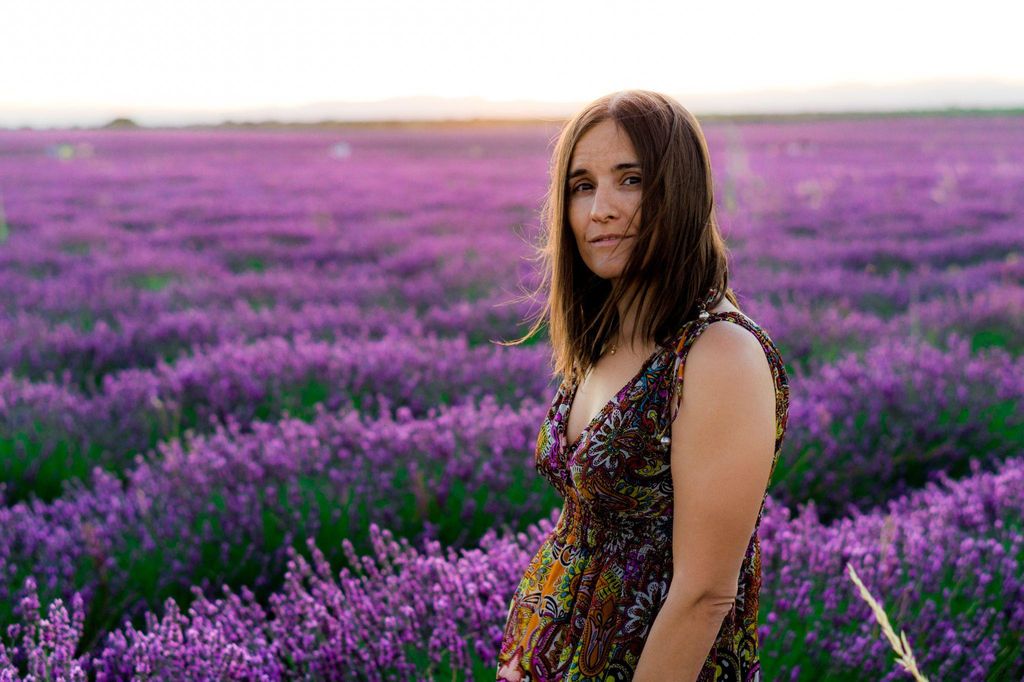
(134, 56)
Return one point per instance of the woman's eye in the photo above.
(584, 185)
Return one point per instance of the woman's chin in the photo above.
(608, 275)
(607, 270)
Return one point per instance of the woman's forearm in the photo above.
(680, 640)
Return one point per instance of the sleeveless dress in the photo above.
(589, 596)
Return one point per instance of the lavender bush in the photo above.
(35, 349)
(52, 433)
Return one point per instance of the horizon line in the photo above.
(125, 123)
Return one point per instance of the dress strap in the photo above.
(706, 302)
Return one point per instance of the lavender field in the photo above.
(256, 421)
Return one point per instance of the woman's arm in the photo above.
(679, 642)
(723, 442)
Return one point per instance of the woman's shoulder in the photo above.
(722, 345)
(725, 335)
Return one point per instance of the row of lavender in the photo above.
(431, 269)
(36, 348)
(225, 507)
(57, 434)
(948, 559)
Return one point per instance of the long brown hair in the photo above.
(678, 252)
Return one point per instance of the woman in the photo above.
(653, 570)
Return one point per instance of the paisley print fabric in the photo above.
(589, 596)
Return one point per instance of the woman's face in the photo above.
(603, 191)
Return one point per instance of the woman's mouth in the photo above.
(609, 241)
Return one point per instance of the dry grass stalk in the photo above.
(899, 644)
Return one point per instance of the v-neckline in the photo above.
(569, 397)
(616, 399)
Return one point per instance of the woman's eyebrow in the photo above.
(620, 166)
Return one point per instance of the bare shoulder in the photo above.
(727, 364)
(724, 344)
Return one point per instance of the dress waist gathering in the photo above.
(580, 525)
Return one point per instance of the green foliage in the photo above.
(32, 464)
(246, 264)
(996, 337)
(150, 281)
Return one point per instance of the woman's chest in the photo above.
(623, 452)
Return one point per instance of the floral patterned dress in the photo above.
(589, 596)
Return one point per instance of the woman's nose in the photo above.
(603, 206)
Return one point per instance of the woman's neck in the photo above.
(623, 338)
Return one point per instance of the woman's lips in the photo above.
(611, 241)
